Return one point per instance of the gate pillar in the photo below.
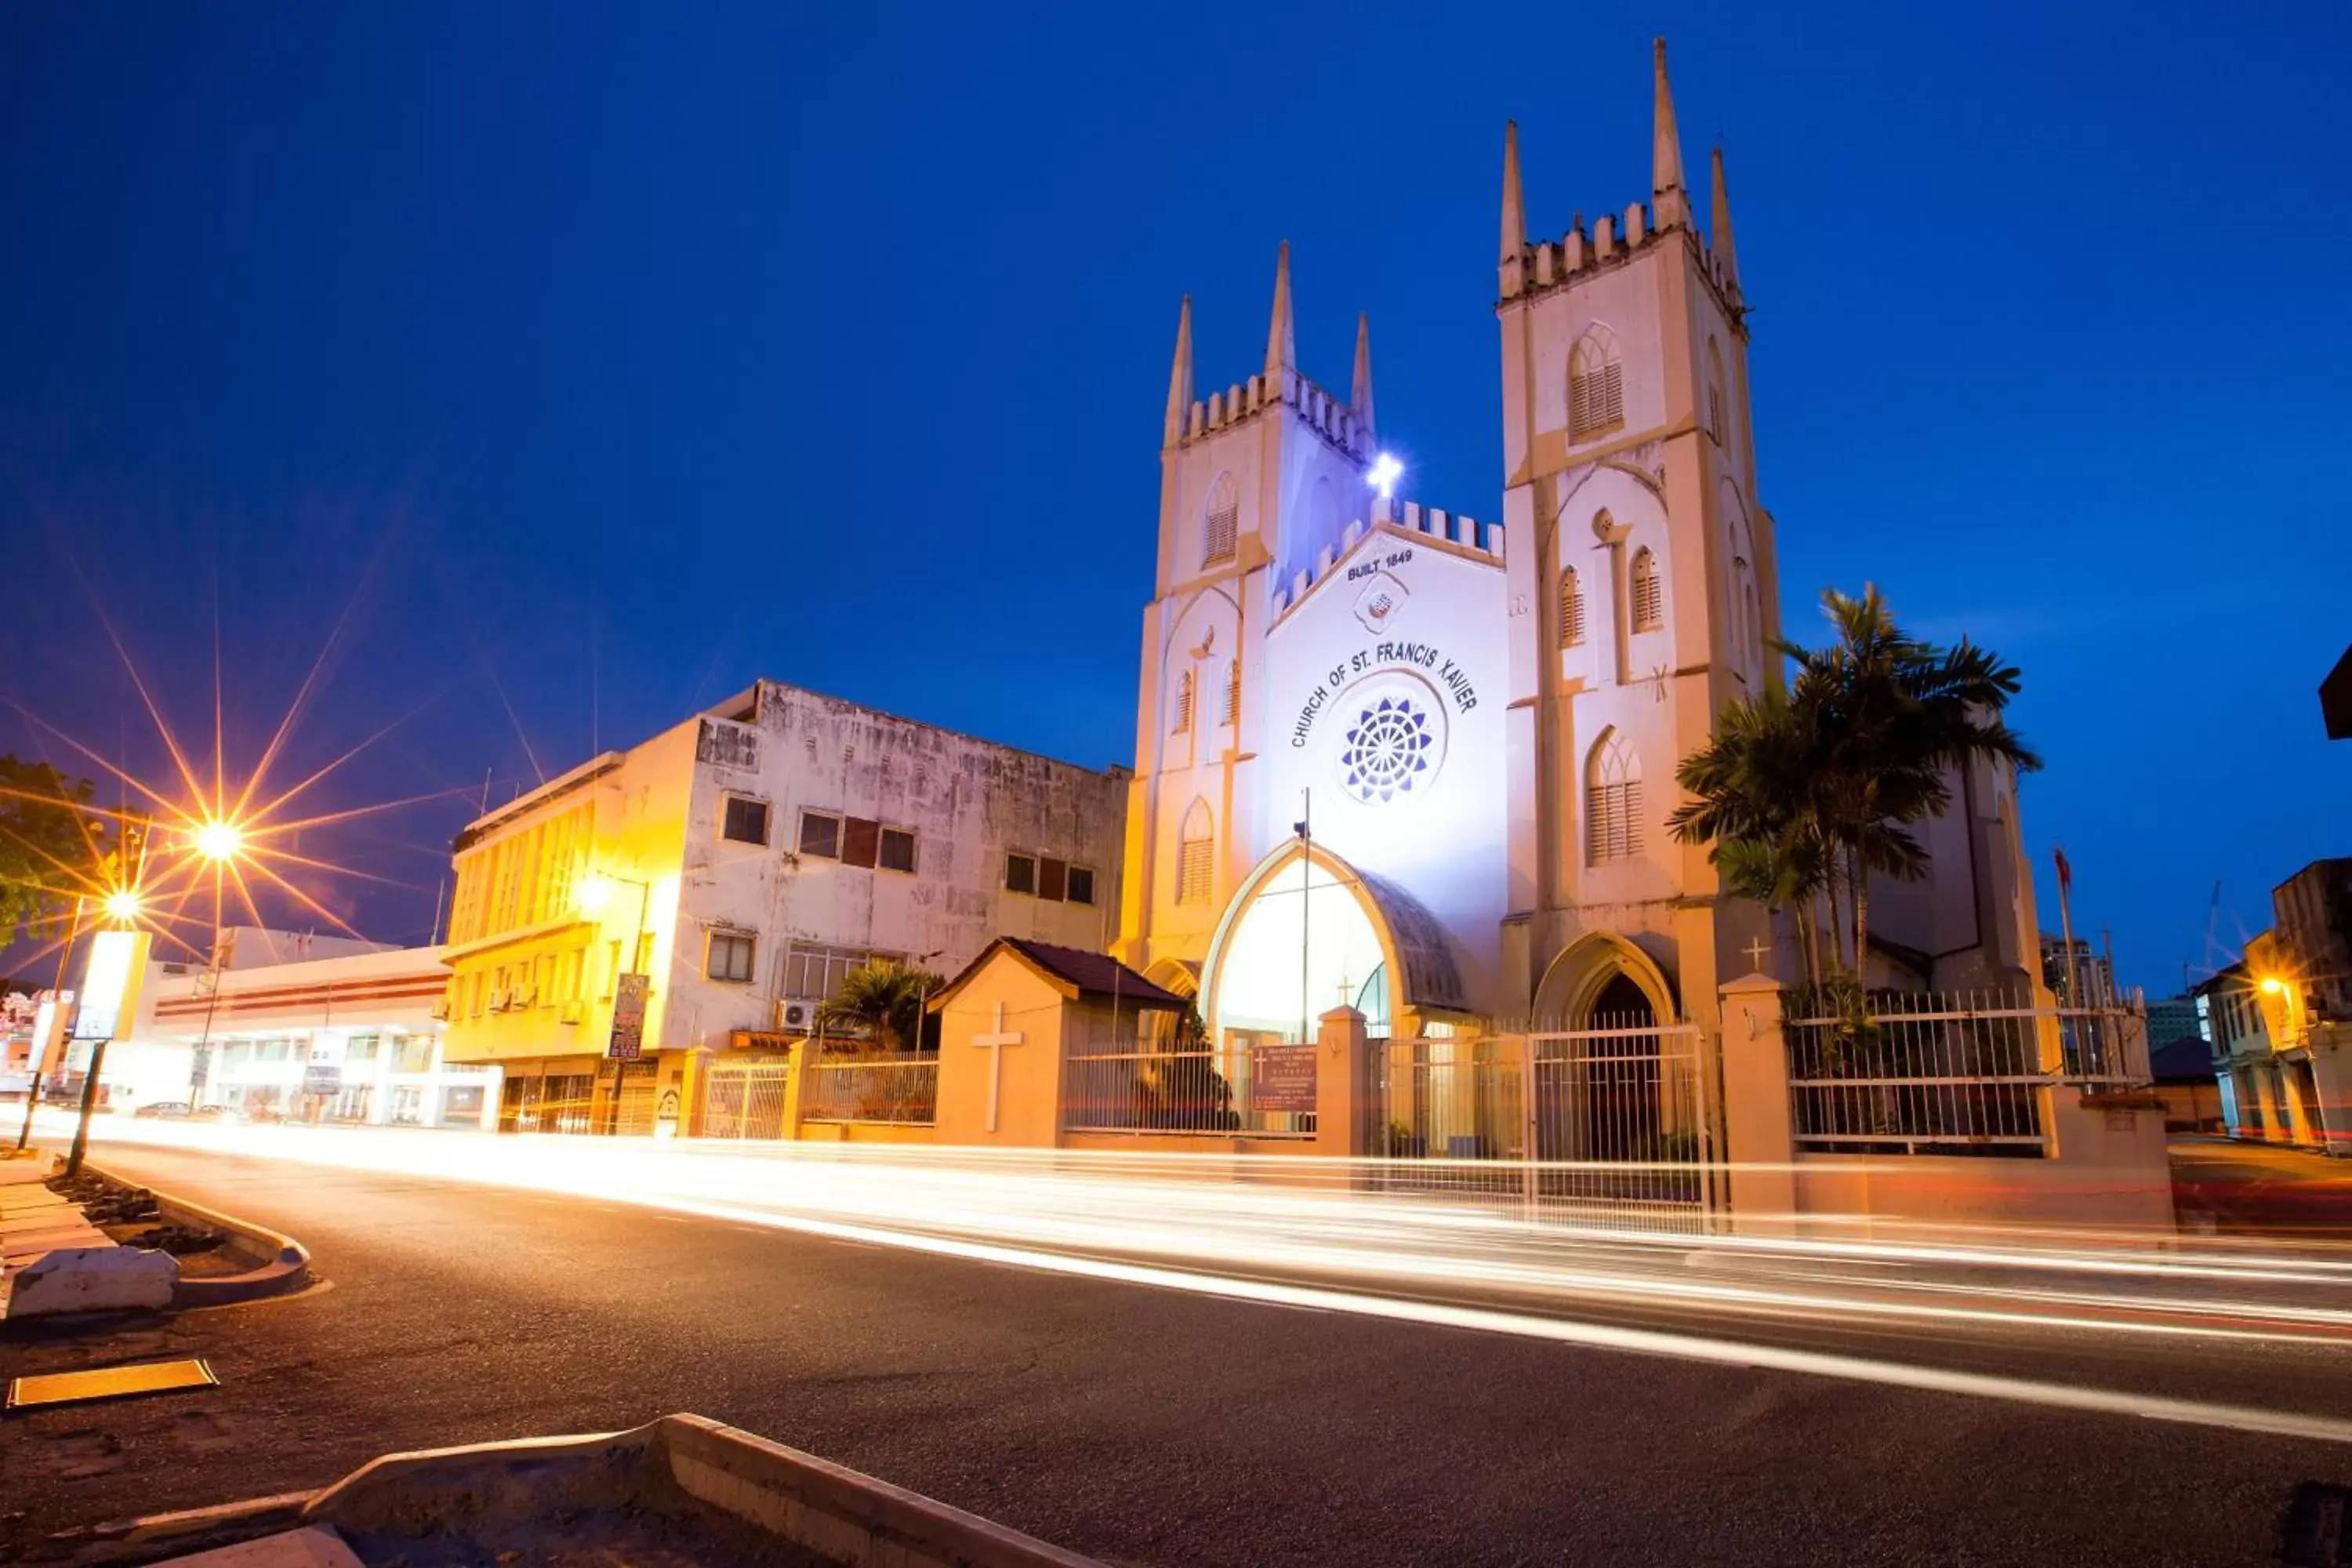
(1758, 1139)
(1343, 1083)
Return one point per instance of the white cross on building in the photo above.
(1756, 951)
(994, 1044)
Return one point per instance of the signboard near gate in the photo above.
(629, 1019)
(322, 1077)
(1282, 1078)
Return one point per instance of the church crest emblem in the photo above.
(1378, 606)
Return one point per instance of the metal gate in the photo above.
(1611, 1123)
(746, 1101)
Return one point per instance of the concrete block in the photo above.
(311, 1548)
(92, 1279)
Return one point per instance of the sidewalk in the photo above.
(2267, 1188)
(33, 1219)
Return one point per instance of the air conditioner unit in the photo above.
(498, 994)
(441, 1009)
(522, 996)
(796, 1017)
(568, 1013)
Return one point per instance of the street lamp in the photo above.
(123, 905)
(218, 840)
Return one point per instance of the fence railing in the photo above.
(903, 1089)
(747, 1101)
(1268, 1092)
(1953, 1073)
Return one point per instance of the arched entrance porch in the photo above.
(1616, 1072)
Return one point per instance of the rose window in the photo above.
(1387, 750)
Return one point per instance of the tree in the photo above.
(50, 848)
(1801, 792)
(885, 1000)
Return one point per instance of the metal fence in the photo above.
(1617, 1127)
(1953, 1073)
(903, 1089)
(1266, 1092)
(746, 1101)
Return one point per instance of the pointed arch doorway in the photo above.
(1616, 1072)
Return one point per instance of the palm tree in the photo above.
(1753, 802)
(885, 1000)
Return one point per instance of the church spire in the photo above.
(1515, 211)
(1670, 203)
(1281, 343)
(1726, 262)
(1360, 400)
(1180, 378)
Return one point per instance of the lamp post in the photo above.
(595, 893)
(922, 993)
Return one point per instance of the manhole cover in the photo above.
(109, 1383)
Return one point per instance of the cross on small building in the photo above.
(1756, 951)
(994, 1044)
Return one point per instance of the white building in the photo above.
(1422, 762)
(744, 862)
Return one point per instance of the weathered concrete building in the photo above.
(742, 863)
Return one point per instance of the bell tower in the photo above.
(1649, 592)
(1256, 480)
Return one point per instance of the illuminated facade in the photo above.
(1422, 762)
(744, 862)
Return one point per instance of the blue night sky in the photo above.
(583, 362)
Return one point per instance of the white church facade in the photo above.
(1422, 762)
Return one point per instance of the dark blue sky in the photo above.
(646, 350)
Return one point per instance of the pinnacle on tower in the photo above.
(1670, 203)
(1281, 343)
(1360, 400)
(1515, 211)
(1719, 235)
(1180, 378)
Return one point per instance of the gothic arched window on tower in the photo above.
(1596, 385)
(1612, 801)
(1196, 857)
(1745, 631)
(1225, 517)
(1649, 604)
(1233, 692)
(1717, 420)
(1184, 724)
(1572, 608)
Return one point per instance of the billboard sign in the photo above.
(628, 1038)
(109, 985)
(1282, 1078)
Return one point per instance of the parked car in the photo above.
(162, 1110)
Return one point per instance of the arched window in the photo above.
(1184, 724)
(1233, 692)
(1717, 418)
(1225, 518)
(1612, 801)
(1745, 632)
(1596, 385)
(1572, 608)
(1649, 604)
(1196, 857)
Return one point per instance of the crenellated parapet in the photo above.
(1330, 417)
(1431, 522)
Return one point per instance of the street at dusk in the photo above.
(912, 787)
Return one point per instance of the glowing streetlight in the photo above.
(218, 840)
(1385, 472)
(595, 893)
(2273, 985)
(123, 904)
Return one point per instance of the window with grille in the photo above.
(1234, 692)
(1596, 385)
(1183, 725)
(1649, 604)
(813, 971)
(1612, 802)
(1195, 870)
(744, 821)
(1572, 608)
(730, 956)
(1225, 517)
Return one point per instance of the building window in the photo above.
(1596, 385)
(1612, 802)
(1082, 885)
(1183, 725)
(896, 851)
(1233, 692)
(1196, 862)
(1715, 426)
(1225, 518)
(813, 971)
(744, 821)
(1649, 605)
(861, 842)
(361, 1048)
(821, 834)
(1020, 874)
(729, 957)
(1053, 879)
(1572, 608)
(414, 1054)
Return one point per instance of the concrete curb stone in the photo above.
(283, 1263)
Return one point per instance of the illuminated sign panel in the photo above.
(109, 986)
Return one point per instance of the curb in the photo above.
(284, 1262)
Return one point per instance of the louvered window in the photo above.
(1184, 724)
(1571, 609)
(1649, 604)
(1596, 385)
(1612, 821)
(1234, 692)
(1225, 517)
(1195, 870)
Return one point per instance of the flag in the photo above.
(2065, 872)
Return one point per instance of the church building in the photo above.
(1421, 761)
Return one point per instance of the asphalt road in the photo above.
(1139, 1424)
